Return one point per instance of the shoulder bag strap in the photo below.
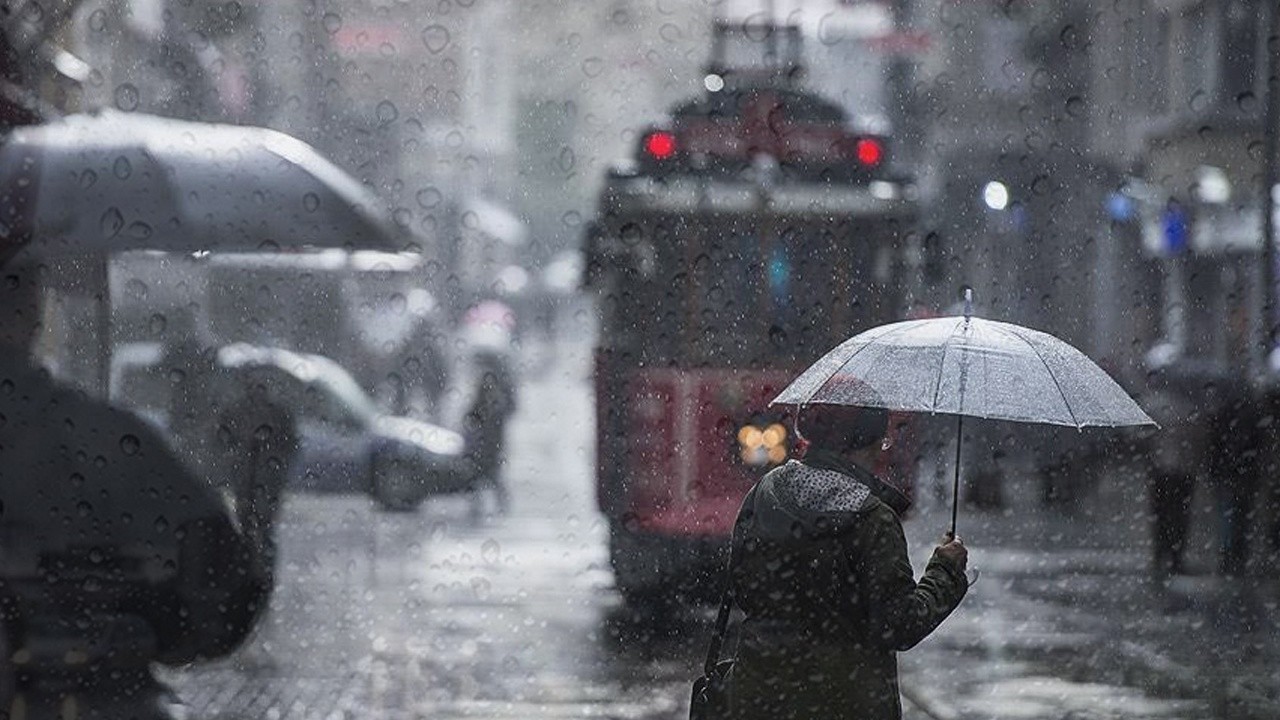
(726, 600)
(722, 625)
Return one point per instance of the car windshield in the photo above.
(640, 359)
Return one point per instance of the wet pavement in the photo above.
(429, 615)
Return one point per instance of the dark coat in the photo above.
(98, 518)
(822, 574)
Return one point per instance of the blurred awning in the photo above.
(106, 182)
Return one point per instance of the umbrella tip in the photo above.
(968, 303)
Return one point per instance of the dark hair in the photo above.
(841, 428)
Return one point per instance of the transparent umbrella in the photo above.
(966, 366)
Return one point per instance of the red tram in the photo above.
(753, 232)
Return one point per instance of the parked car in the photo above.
(346, 444)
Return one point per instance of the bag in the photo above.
(710, 700)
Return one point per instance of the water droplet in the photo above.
(98, 20)
(332, 22)
(387, 112)
(157, 323)
(311, 202)
(592, 67)
(130, 444)
(122, 168)
(88, 179)
(436, 38)
(1075, 106)
(429, 198)
(670, 33)
(489, 551)
(139, 230)
(1069, 37)
(127, 97)
(84, 509)
(111, 223)
(1247, 101)
(567, 159)
(161, 524)
(1199, 101)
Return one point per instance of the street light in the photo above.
(996, 195)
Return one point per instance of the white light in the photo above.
(713, 82)
(995, 195)
(882, 190)
(1212, 185)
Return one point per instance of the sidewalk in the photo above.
(1065, 622)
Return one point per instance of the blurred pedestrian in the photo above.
(1178, 452)
(820, 568)
(260, 440)
(115, 555)
(1235, 469)
(485, 424)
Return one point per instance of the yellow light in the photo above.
(777, 454)
(750, 436)
(774, 435)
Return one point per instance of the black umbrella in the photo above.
(113, 181)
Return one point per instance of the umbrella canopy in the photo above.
(114, 181)
(967, 366)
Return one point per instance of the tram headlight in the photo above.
(759, 446)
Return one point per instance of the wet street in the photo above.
(431, 615)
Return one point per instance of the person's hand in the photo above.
(953, 550)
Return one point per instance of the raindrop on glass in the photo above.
(387, 112)
(332, 22)
(111, 222)
(567, 159)
(489, 551)
(592, 67)
(130, 444)
(429, 197)
(122, 168)
(126, 97)
(436, 38)
(311, 202)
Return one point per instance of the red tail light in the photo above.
(869, 151)
(660, 145)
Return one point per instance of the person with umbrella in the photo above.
(820, 569)
(115, 554)
(818, 561)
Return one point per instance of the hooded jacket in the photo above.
(820, 569)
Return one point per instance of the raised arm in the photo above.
(901, 611)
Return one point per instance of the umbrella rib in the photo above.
(854, 354)
(937, 389)
(1066, 403)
